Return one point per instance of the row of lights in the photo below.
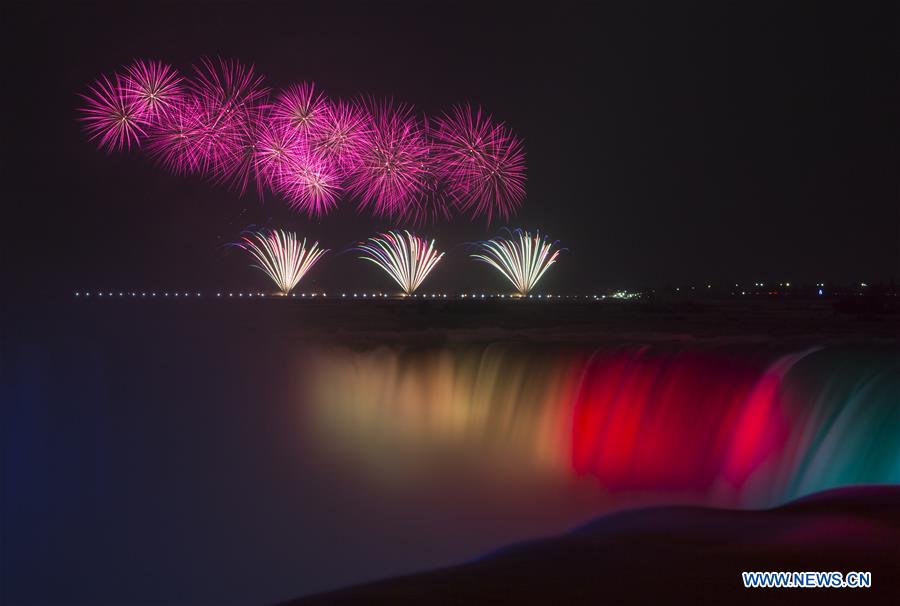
(616, 295)
(136, 294)
(622, 294)
(785, 284)
(763, 285)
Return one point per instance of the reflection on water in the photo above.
(724, 426)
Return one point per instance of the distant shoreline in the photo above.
(363, 320)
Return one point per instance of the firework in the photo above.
(309, 183)
(430, 205)
(156, 87)
(301, 108)
(405, 257)
(342, 135)
(432, 201)
(276, 148)
(229, 99)
(522, 259)
(175, 139)
(281, 256)
(394, 164)
(112, 116)
(236, 162)
(306, 149)
(483, 163)
(228, 85)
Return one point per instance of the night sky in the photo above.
(666, 144)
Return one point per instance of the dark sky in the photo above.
(666, 144)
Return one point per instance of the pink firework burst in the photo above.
(175, 140)
(498, 186)
(301, 107)
(483, 163)
(230, 100)
(462, 137)
(394, 165)
(342, 135)
(309, 183)
(156, 86)
(306, 148)
(220, 140)
(277, 148)
(112, 116)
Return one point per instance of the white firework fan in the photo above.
(282, 256)
(522, 259)
(405, 257)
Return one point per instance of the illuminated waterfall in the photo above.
(734, 425)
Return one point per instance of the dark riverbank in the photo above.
(669, 555)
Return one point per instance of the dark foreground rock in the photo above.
(674, 555)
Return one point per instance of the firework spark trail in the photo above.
(405, 257)
(237, 165)
(430, 205)
(281, 256)
(112, 116)
(523, 259)
(228, 85)
(432, 201)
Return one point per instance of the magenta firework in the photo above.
(313, 152)
(343, 135)
(113, 117)
(482, 162)
(301, 108)
(155, 86)
(393, 168)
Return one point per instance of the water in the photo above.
(190, 455)
(745, 426)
